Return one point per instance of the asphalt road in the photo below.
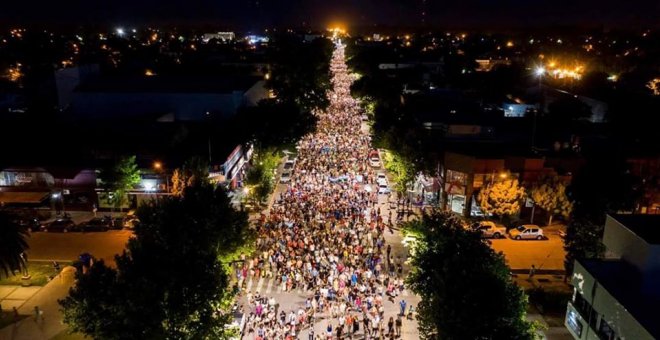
(543, 254)
(67, 246)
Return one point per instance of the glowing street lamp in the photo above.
(540, 71)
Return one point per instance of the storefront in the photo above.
(232, 171)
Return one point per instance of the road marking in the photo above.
(269, 287)
(249, 284)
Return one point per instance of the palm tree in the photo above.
(12, 244)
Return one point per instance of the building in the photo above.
(518, 110)
(41, 189)
(68, 79)
(231, 172)
(220, 36)
(618, 297)
(174, 98)
(463, 174)
(467, 167)
(486, 65)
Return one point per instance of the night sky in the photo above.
(254, 14)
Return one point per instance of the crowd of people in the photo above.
(324, 235)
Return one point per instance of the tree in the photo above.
(582, 241)
(501, 198)
(172, 281)
(603, 185)
(193, 171)
(300, 71)
(119, 179)
(551, 197)
(259, 176)
(451, 268)
(12, 243)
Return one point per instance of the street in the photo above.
(320, 267)
(67, 246)
(543, 254)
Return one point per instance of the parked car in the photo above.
(490, 229)
(383, 189)
(527, 232)
(63, 225)
(374, 161)
(381, 178)
(288, 165)
(95, 224)
(31, 223)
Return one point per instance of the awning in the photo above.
(23, 197)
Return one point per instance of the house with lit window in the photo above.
(618, 297)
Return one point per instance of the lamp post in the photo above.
(539, 72)
(158, 166)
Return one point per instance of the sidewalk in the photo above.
(46, 298)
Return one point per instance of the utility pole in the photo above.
(210, 160)
(540, 72)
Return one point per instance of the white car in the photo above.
(490, 229)
(374, 161)
(383, 189)
(286, 177)
(288, 165)
(381, 178)
(527, 232)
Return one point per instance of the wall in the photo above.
(256, 93)
(68, 79)
(622, 242)
(606, 307)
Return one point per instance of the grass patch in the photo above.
(549, 302)
(41, 273)
(7, 318)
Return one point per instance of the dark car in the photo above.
(95, 224)
(30, 223)
(63, 225)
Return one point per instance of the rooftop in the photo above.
(169, 84)
(627, 292)
(490, 150)
(645, 226)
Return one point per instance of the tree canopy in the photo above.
(300, 71)
(119, 179)
(171, 282)
(501, 198)
(550, 195)
(13, 242)
(465, 287)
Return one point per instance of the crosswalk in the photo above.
(269, 286)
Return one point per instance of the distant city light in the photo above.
(654, 86)
(120, 31)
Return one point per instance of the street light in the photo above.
(158, 166)
(540, 72)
